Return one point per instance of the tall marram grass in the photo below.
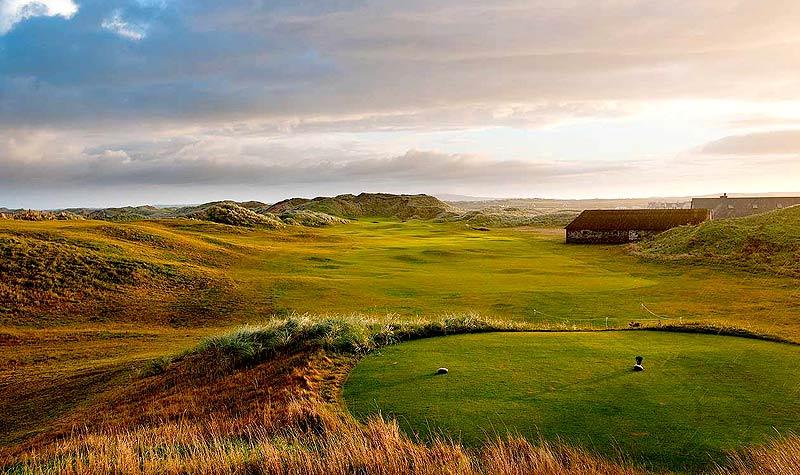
(377, 447)
(781, 457)
(343, 335)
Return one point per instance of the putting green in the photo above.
(700, 395)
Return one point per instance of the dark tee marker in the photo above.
(638, 366)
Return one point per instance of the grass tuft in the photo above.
(250, 345)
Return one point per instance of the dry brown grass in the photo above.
(316, 441)
(280, 417)
(781, 457)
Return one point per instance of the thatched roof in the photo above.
(637, 219)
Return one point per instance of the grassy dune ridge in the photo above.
(68, 271)
(366, 205)
(768, 242)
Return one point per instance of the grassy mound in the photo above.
(234, 215)
(699, 397)
(34, 215)
(127, 213)
(513, 217)
(353, 336)
(83, 271)
(311, 219)
(369, 205)
(768, 242)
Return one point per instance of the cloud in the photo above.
(117, 24)
(16, 11)
(489, 94)
(209, 161)
(281, 60)
(778, 142)
(61, 168)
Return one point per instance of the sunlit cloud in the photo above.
(16, 11)
(777, 142)
(117, 24)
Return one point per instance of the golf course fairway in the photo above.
(699, 397)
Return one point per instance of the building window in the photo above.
(755, 206)
(730, 206)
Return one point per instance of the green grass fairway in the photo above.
(701, 395)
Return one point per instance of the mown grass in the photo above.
(273, 418)
(700, 397)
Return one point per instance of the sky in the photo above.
(121, 102)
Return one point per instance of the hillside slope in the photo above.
(497, 217)
(89, 271)
(245, 213)
(233, 214)
(768, 242)
(368, 205)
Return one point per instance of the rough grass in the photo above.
(313, 219)
(59, 270)
(369, 205)
(343, 449)
(355, 336)
(36, 272)
(513, 217)
(768, 242)
(232, 214)
(776, 458)
(527, 276)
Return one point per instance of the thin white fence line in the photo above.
(663, 317)
(643, 306)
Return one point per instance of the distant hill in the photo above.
(94, 271)
(34, 215)
(500, 217)
(577, 204)
(368, 205)
(127, 213)
(768, 242)
(248, 213)
(447, 197)
(233, 214)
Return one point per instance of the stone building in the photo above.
(726, 207)
(613, 226)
